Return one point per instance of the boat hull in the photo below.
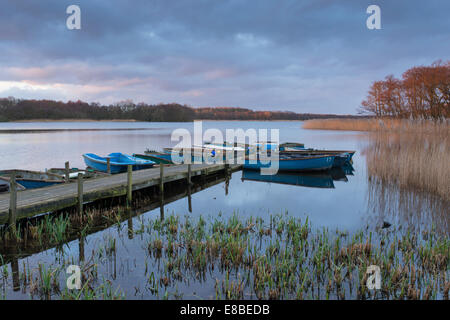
(198, 155)
(158, 158)
(318, 163)
(118, 162)
(34, 184)
(32, 179)
(291, 146)
(340, 157)
(4, 186)
(340, 160)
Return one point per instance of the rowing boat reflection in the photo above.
(310, 179)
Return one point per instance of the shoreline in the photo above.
(9, 131)
(126, 120)
(132, 120)
(71, 120)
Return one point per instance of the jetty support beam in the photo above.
(129, 185)
(12, 201)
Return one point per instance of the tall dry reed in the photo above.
(412, 159)
(397, 125)
(410, 154)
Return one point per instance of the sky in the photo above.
(315, 56)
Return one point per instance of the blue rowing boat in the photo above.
(340, 157)
(197, 155)
(118, 162)
(4, 186)
(32, 179)
(156, 157)
(294, 163)
(291, 146)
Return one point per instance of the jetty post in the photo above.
(130, 224)
(108, 165)
(161, 180)
(12, 201)
(80, 193)
(227, 168)
(67, 171)
(189, 184)
(81, 248)
(161, 190)
(15, 273)
(129, 185)
(189, 175)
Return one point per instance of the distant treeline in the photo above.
(422, 93)
(18, 109)
(228, 113)
(12, 109)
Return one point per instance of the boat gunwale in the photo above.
(302, 158)
(320, 151)
(151, 155)
(4, 174)
(114, 163)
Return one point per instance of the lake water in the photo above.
(349, 203)
(343, 205)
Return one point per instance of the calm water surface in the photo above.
(350, 204)
(343, 206)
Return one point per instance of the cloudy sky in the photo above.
(299, 55)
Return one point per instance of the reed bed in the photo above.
(285, 258)
(412, 160)
(280, 257)
(385, 124)
(408, 208)
(408, 153)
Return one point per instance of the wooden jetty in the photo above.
(12, 251)
(38, 201)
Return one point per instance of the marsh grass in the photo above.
(384, 124)
(279, 257)
(231, 257)
(285, 258)
(412, 160)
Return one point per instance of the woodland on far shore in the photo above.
(12, 109)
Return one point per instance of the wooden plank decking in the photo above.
(19, 250)
(38, 201)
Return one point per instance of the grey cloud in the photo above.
(305, 56)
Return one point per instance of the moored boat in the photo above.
(156, 157)
(291, 146)
(73, 173)
(32, 179)
(198, 154)
(341, 156)
(348, 153)
(119, 162)
(4, 186)
(293, 163)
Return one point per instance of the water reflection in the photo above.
(414, 210)
(312, 180)
(346, 199)
(322, 179)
